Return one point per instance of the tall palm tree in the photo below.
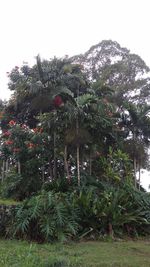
(138, 123)
(88, 125)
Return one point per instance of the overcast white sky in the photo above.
(60, 27)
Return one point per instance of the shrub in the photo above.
(19, 186)
(88, 211)
(46, 217)
(112, 211)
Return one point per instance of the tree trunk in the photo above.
(139, 176)
(66, 165)
(7, 166)
(50, 170)
(110, 230)
(78, 146)
(78, 151)
(135, 183)
(78, 165)
(43, 176)
(90, 164)
(3, 171)
(19, 167)
(55, 164)
(134, 160)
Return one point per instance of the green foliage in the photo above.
(59, 185)
(124, 208)
(119, 166)
(11, 186)
(95, 209)
(48, 216)
(115, 168)
(115, 67)
(68, 131)
(19, 186)
(121, 208)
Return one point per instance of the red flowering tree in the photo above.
(24, 151)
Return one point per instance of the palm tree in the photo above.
(88, 125)
(64, 81)
(138, 122)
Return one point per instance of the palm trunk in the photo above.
(110, 230)
(139, 176)
(134, 160)
(55, 165)
(140, 162)
(78, 152)
(135, 182)
(50, 170)
(7, 166)
(19, 167)
(90, 164)
(50, 160)
(78, 165)
(66, 165)
(3, 171)
(78, 146)
(43, 176)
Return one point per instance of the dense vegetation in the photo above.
(73, 138)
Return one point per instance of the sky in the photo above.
(68, 27)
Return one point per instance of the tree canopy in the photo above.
(73, 136)
(114, 66)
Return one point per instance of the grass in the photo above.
(86, 254)
(8, 202)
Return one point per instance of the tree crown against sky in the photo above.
(92, 91)
(114, 66)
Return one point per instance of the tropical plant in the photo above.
(48, 216)
(137, 122)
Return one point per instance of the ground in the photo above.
(15, 253)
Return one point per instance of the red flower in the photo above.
(7, 133)
(58, 102)
(8, 142)
(12, 123)
(38, 130)
(35, 130)
(31, 145)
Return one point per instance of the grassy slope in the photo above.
(86, 254)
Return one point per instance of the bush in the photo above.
(6, 219)
(46, 217)
(19, 187)
(88, 211)
(113, 211)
